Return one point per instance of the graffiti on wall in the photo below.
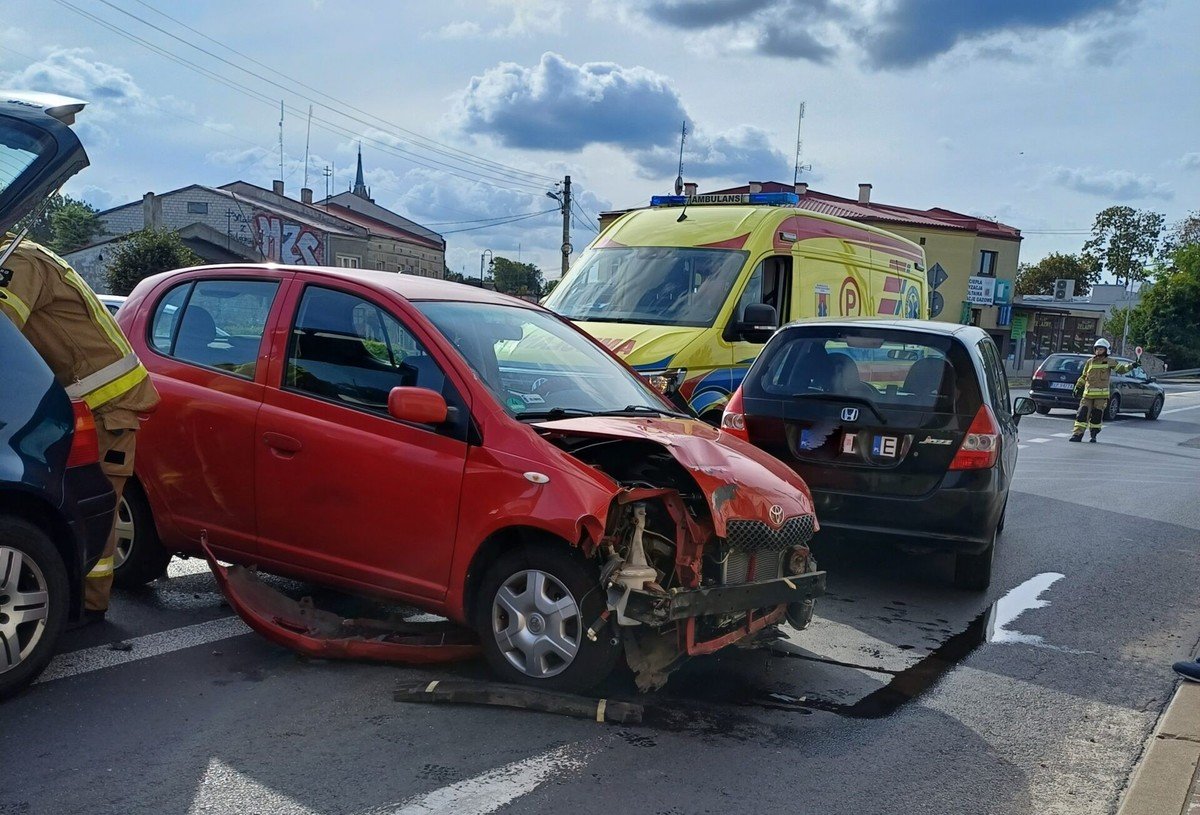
(281, 241)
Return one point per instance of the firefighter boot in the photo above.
(1078, 436)
(1095, 433)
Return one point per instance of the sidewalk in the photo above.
(1166, 782)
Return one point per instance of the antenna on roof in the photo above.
(328, 173)
(679, 177)
(799, 150)
(281, 140)
(307, 141)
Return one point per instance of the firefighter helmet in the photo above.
(1102, 343)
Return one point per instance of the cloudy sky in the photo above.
(1038, 113)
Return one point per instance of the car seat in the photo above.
(931, 376)
(197, 330)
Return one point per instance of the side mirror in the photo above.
(759, 321)
(417, 405)
(1023, 406)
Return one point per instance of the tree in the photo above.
(549, 286)
(1124, 241)
(1038, 278)
(147, 253)
(517, 279)
(1168, 317)
(1182, 234)
(1114, 326)
(75, 225)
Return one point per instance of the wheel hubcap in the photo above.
(24, 607)
(536, 623)
(125, 533)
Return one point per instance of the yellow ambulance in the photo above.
(688, 290)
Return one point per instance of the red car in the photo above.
(461, 451)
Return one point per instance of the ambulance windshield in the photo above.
(653, 285)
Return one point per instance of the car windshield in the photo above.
(536, 366)
(882, 368)
(1064, 364)
(654, 285)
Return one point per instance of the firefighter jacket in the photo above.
(1097, 374)
(75, 334)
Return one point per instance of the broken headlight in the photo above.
(666, 380)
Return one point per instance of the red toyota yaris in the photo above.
(462, 451)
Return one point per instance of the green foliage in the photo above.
(549, 286)
(1124, 241)
(1114, 326)
(1168, 317)
(1183, 233)
(63, 224)
(1038, 278)
(147, 253)
(518, 279)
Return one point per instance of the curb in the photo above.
(1164, 779)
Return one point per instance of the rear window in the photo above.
(885, 367)
(1061, 363)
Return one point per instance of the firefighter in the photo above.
(1092, 389)
(81, 343)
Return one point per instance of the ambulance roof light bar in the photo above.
(773, 199)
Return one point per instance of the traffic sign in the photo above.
(936, 275)
(936, 303)
(1004, 315)
(1138, 350)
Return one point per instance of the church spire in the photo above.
(360, 186)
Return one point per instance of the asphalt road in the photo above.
(905, 695)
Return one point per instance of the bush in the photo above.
(147, 253)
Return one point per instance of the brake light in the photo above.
(981, 448)
(85, 445)
(1039, 373)
(733, 421)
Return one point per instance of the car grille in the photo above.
(757, 536)
(767, 566)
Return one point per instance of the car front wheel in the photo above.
(1155, 408)
(34, 602)
(139, 556)
(535, 607)
(1114, 408)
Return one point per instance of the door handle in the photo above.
(280, 443)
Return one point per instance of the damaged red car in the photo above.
(461, 451)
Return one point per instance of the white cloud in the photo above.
(1116, 184)
(72, 72)
(1190, 161)
(461, 30)
(529, 17)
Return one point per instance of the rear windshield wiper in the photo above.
(833, 397)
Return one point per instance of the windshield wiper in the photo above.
(833, 397)
(557, 413)
(636, 410)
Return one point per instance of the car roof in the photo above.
(410, 287)
(962, 332)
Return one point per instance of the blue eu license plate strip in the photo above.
(885, 446)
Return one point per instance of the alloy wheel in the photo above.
(1114, 407)
(125, 533)
(536, 623)
(24, 607)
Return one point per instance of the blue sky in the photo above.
(1037, 112)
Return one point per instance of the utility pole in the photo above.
(281, 140)
(566, 213)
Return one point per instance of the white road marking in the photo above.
(224, 789)
(1062, 435)
(1039, 441)
(1016, 602)
(1022, 446)
(488, 792)
(1180, 410)
(87, 660)
(181, 567)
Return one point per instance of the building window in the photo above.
(922, 241)
(380, 265)
(197, 207)
(348, 261)
(987, 263)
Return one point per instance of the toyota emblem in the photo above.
(849, 414)
(776, 514)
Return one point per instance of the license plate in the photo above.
(885, 446)
(1062, 386)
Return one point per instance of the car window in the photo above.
(888, 368)
(347, 349)
(768, 284)
(215, 323)
(993, 371)
(1064, 363)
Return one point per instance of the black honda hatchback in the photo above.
(903, 429)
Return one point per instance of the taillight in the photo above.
(981, 447)
(85, 446)
(1039, 373)
(733, 421)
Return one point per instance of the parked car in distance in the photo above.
(462, 451)
(1054, 381)
(903, 429)
(56, 508)
(112, 302)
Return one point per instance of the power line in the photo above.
(501, 223)
(585, 218)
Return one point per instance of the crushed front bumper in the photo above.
(687, 604)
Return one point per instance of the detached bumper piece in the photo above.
(657, 609)
(451, 691)
(307, 630)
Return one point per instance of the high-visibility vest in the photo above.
(1097, 376)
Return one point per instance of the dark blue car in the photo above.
(56, 505)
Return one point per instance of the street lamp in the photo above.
(491, 262)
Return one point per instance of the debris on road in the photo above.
(517, 696)
(300, 626)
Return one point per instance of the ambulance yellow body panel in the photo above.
(668, 294)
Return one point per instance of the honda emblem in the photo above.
(776, 514)
(849, 414)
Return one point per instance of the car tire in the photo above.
(1042, 409)
(29, 563)
(140, 557)
(562, 591)
(973, 572)
(1155, 408)
(1113, 408)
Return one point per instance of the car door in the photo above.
(346, 492)
(203, 344)
(1137, 392)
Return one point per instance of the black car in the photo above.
(903, 429)
(1132, 392)
(56, 505)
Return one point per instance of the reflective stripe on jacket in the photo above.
(1097, 376)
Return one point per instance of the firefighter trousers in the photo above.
(116, 459)
(1090, 415)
